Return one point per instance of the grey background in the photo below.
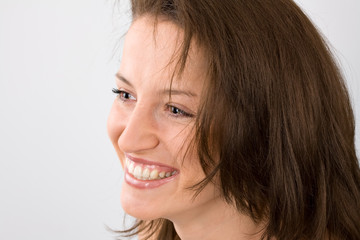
(59, 175)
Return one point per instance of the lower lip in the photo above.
(144, 184)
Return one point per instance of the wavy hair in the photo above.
(277, 111)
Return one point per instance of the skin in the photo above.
(145, 123)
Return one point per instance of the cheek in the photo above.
(185, 150)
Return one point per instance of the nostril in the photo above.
(134, 139)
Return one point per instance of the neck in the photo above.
(216, 220)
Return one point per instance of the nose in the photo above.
(140, 131)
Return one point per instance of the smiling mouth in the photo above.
(148, 172)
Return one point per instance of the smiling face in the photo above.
(151, 131)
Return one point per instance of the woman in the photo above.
(232, 121)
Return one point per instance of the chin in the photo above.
(137, 205)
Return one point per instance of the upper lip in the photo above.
(146, 162)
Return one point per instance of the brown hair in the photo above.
(278, 113)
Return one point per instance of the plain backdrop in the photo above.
(59, 176)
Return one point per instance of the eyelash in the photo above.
(174, 111)
(177, 112)
(121, 94)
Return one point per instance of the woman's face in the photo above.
(151, 131)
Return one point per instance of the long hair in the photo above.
(278, 114)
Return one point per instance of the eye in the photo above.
(124, 96)
(177, 112)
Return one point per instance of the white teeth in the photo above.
(131, 168)
(127, 163)
(154, 174)
(146, 174)
(137, 172)
(162, 174)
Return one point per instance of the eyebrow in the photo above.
(123, 79)
(178, 92)
(165, 91)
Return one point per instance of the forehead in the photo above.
(152, 52)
